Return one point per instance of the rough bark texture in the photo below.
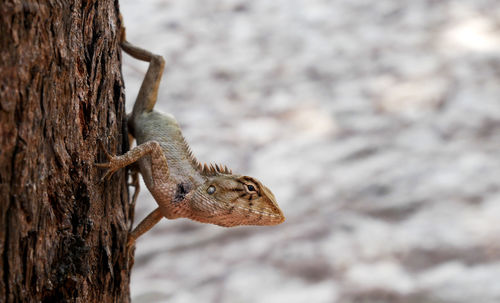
(62, 232)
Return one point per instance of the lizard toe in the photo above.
(103, 148)
(102, 165)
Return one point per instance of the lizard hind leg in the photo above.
(134, 175)
(145, 225)
(148, 92)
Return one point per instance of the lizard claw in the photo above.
(130, 251)
(111, 165)
(108, 155)
(109, 170)
(130, 242)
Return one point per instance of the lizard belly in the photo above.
(170, 194)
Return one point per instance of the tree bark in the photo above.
(63, 232)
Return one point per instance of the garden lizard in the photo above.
(182, 187)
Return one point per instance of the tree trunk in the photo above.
(62, 231)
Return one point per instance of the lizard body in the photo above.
(182, 187)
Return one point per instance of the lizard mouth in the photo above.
(276, 218)
(241, 215)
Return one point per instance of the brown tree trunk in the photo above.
(62, 232)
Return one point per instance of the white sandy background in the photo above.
(375, 123)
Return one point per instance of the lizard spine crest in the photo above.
(205, 169)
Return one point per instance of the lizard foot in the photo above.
(130, 242)
(130, 250)
(122, 30)
(111, 166)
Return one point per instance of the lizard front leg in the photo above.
(159, 166)
(159, 171)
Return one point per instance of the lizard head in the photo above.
(230, 200)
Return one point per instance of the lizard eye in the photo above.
(250, 187)
(211, 189)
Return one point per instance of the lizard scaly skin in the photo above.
(182, 187)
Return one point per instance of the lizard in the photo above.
(182, 186)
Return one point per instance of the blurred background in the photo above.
(375, 123)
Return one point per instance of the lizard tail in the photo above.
(148, 93)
